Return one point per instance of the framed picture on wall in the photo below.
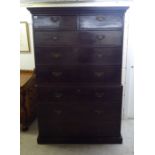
(24, 37)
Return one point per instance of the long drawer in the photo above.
(78, 130)
(81, 118)
(110, 95)
(78, 113)
(107, 74)
(78, 56)
(83, 38)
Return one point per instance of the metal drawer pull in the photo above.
(56, 55)
(100, 18)
(99, 74)
(35, 17)
(99, 94)
(58, 112)
(98, 112)
(78, 90)
(55, 38)
(57, 74)
(100, 37)
(58, 95)
(100, 55)
(54, 18)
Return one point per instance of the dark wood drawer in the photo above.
(88, 120)
(78, 113)
(91, 38)
(78, 130)
(55, 22)
(86, 95)
(107, 74)
(79, 56)
(101, 21)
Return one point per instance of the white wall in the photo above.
(27, 59)
(128, 66)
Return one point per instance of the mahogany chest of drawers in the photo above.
(78, 58)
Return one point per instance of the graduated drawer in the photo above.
(78, 121)
(58, 131)
(101, 21)
(55, 22)
(86, 95)
(78, 56)
(83, 38)
(78, 113)
(83, 73)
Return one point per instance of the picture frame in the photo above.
(24, 37)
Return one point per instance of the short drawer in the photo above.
(111, 74)
(87, 38)
(87, 95)
(101, 21)
(78, 56)
(55, 22)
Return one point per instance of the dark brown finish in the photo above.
(101, 21)
(28, 105)
(78, 57)
(106, 74)
(55, 22)
(98, 38)
(84, 94)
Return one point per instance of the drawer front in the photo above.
(55, 22)
(78, 74)
(78, 130)
(75, 121)
(79, 56)
(100, 95)
(78, 113)
(89, 38)
(100, 21)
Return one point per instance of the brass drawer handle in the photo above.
(78, 90)
(56, 74)
(100, 18)
(99, 55)
(100, 37)
(58, 95)
(56, 55)
(55, 38)
(99, 94)
(55, 18)
(58, 112)
(98, 112)
(99, 74)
